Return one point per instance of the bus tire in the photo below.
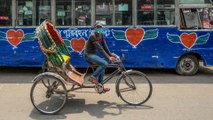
(187, 65)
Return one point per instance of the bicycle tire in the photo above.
(129, 84)
(59, 93)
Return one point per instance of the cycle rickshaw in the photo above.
(49, 90)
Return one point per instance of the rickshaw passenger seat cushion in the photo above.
(76, 76)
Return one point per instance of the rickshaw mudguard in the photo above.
(117, 81)
(49, 74)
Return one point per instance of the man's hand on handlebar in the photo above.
(113, 55)
(112, 59)
(115, 58)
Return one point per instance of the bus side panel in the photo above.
(168, 52)
(143, 47)
(206, 50)
(177, 43)
(138, 53)
(19, 47)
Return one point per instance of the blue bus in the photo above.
(151, 33)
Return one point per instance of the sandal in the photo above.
(105, 90)
(93, 80)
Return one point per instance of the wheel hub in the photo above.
(49, 92)
(187, 65)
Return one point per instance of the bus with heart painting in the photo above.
(150, 33)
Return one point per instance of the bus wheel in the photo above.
(187, 65)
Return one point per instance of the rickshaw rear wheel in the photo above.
(48, 94)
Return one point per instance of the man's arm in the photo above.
(106, 48)
(98, 47)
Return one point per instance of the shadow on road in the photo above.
(78, 106)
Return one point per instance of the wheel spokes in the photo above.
(47, 95)
(134, 88)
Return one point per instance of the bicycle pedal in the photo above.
(99, 88)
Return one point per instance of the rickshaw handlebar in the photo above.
(118, 59)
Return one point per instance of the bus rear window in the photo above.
(195, 1)
(196, 18)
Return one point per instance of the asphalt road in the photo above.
(174, 98)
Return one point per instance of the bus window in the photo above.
(166, 12)
(195, 1)
(63, 12)
(104, 12)
(123, 12)
(43, 11)
(82, 12)
(25, 12)
(196, 18)
(145, 12)
(190, 18)
(207, 17)
(6, 13)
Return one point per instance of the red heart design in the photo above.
(188, 40)
(15, 37)
(77, 44)
(134, 36)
